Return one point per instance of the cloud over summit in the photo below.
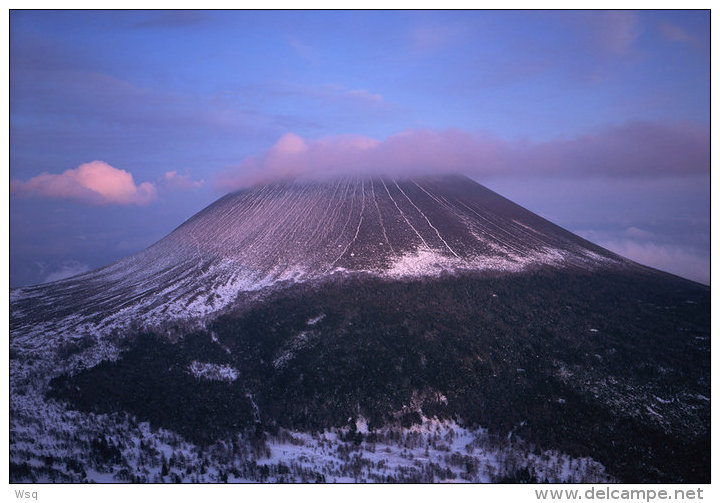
(627, 150)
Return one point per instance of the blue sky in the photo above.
(125, 123)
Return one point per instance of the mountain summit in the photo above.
(368, 329)
(280, 234)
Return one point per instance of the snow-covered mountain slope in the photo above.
(311, 307)
(280, 234)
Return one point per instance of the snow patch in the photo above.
(361, 424)
(652, 411)
(297, 343)
(212, 371)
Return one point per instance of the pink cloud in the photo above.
(676, 34)
(632, 149)
(289, 144)
(95, 182)
(431, 38)
(348, 96)
(173, 180)
(613, 32)
(305, 51)
(363, 95)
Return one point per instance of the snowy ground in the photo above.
(51, 444)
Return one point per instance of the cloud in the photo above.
(613, 32)
(174, 19)
(339, 95)
(431, 38)
(174, 181)
(677, 259)
(675, 33)
(67, 270)
(324, 94)
(363, 95)
(62, 100)
(634, 232)
(669, 250)
(632, 149)
(303, 50)
(95, 183)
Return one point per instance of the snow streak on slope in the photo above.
(279, 234)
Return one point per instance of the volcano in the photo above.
(354, 312)
(282, 234)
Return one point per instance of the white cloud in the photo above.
(686, 261)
